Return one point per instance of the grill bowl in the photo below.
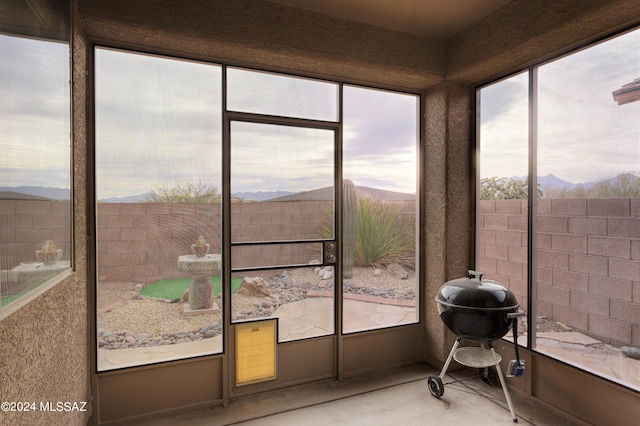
(476, 309)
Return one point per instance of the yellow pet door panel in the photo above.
(256, 351)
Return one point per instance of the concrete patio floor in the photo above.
(394, 397)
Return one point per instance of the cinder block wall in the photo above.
(141, 242)
(25, 225)
(588, 261)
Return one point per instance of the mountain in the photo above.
(40, 192)
(140, 198)
(551, 181)
(327, 194)
(260, 195)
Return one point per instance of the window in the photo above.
(586, 212)
(35, 173)
(158, 190)
(175, 160)
(380, 256)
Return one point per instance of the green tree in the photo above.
(495, 188)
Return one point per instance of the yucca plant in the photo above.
(384, 235)
(350, 226)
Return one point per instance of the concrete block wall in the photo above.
(141, 242)
(588, 261)
(25, 225)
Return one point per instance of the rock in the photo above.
(254, 286)
(138, 288)
(397, 271)
(210, 333)
(287, 282)
(377, 272)
(631, 352)
(323, 284)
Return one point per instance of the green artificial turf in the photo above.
(174, 288)
(7, 300)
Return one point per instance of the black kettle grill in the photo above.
(480, 311)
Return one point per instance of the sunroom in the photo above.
(207, 200)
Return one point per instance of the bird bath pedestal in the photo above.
(200, 289)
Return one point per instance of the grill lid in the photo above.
(475, 293)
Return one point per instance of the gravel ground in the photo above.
(120, 309)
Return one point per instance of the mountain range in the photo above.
(547, 182)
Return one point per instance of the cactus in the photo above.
(349, 226)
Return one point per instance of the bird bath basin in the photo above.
(200, 288)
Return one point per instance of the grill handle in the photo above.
(475, 274)
(513, 316)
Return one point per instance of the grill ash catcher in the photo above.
(479, 311)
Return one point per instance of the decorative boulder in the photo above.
(631, 352)
(397, 271)
(254, 286)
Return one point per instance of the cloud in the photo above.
(34, 113)
(380, 138)
(583, 135)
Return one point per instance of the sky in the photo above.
(34, 113)
(159, 121)
(583, 135)
(165, 126)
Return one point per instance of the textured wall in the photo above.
(448, 208)
(527, 31)
(270, 36)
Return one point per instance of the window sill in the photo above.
(35, 293)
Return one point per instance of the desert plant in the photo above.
(350, 226)
(184, 192)
(622, 185)
(495, 188)
(384, 235)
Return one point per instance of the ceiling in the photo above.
(430, 18)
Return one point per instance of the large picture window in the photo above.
(207, 202)
(584, 276)
(35, 172)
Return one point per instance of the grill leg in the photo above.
(446, 364)
(504, 386)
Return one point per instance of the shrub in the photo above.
(384, 235)
(184, 192)
(495, 188)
